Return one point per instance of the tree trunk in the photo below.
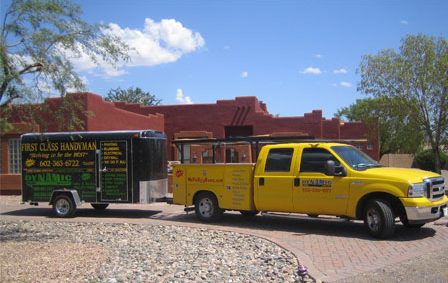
(437, 162)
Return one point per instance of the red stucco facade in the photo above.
(248, 116)
(241, 116)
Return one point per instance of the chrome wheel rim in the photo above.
(206, 207)
(373, 219)
(62, 206)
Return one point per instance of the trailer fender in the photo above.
(72, 193)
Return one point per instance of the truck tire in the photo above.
(207, 208)
(379, 218)
(63, 206)
(99, 206)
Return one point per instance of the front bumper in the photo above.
(425, 214)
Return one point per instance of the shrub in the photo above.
(425, 160)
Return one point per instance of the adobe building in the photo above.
(242, 116)
(246, 116)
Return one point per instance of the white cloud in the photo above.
(318, 56)
(180, 97)
(244, 74)
(346, 84)
(311, 70)
(157, 43)
(404, 22)
(340, 71)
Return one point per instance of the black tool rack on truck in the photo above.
(67, 169)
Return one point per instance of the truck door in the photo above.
(113, 171)
(316, 192)
(274, 181)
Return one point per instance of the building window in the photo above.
(359, 146)
(370, 146)
(14, 156)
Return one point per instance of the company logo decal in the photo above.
(179, 173)
(316, 183)
(30, 162)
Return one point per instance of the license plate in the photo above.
(445, 211)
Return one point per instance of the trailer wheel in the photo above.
(207, 207)
(63, 206)
(379, 218)
(99, 206)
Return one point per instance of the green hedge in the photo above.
(425, 160)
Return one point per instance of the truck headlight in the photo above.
(416, 190)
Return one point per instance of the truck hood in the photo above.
(408, 175)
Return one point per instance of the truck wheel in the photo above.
(207, 207)
(379, 218)
(249, 212)
(99, 206)
(63, 206)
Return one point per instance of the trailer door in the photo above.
(114, 171)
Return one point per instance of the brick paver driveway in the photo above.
(331, 248)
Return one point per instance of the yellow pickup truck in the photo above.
(314, 179)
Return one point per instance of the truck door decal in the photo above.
(114, 171)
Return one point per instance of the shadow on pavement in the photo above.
(301, 226)
(88, 213)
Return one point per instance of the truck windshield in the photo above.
(355, 158)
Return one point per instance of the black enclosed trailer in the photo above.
(67, 169)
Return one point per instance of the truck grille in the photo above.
(435, 188)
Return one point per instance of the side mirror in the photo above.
(330, 168)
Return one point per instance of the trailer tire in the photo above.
(207, 207)
(64, 206)
(379, 218)
(99, 206)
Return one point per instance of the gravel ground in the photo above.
(34, 251)
(86, 252)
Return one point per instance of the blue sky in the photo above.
(295, 56)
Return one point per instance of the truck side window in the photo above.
(279, 160)
(314, 160)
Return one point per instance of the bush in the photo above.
(425, 160)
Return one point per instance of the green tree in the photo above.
(397, 132)
(418, 76)
(132, 95)
(38, 39)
